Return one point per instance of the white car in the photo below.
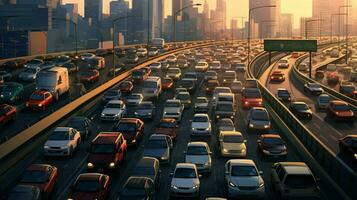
(201, 125)
(114, 110)
(173, 109)
(134, 99)
(225, 124)
(185, 181)
(141, 52)
(283, 63)
(155, 66)
(258, 119)
(171, 59)
(211, 75)
(63, 141)
(243, 179)
(323, 100)
(199, 154)
(174, 73)
(217, 91)
(232, 144)
(215, 65)
(153, 51)
(201, 66)
(313, 88)
(201, 104)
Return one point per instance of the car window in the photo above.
(185, 173)
(281, 173)
(297, 181)
(244, 171)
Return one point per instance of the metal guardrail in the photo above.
(339, 175)
(10, 146)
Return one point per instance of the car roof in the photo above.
(295, 167)
(115, 102)
(197, 144)
(226, 133)
(62, 128)
(38, 167)
(106, 138)
(89, 176)
(186, 165)
(242, 162)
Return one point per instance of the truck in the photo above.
(54, 80)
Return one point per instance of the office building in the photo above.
(93, 11)
(119, 8)
(286, 25)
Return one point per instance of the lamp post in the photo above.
(175, 15)
(249, 16)
(308, 21)
(261, 26)
(75, 30)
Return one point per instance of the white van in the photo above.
(152, 87)
(54, 80)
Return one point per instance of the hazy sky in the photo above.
(300, 8)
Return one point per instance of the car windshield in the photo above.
(156, 144)
(342, 107)
(172, 104)
(48, 79)
(260, 115)
(132, 56)
(34, 62)
(187, 83)
(301, 107)
(201, 100)
(348, 89)
(145, 106)
(201, 64)
(212, 84)
(252, 94)
(102, 148)
(192, 76)
(225, 122)
(166, 80)
(300, 181)
(87, 186)
(126, 127)
(150, 84)
(113, 105)
(185, 173)
(283, 61)
(59, 135)
(138, 73)
(224, 107)
(210, 73)
(30, 70)
(87, 73)
(324, 99)
(173, 71)
(314, 85)
(36, 96)
(111, 93)
(243, 171)
(166, 125)
(273, 141)
(283, 93)
(34, 176)
(142, 170)
(133, 191)
(200, 119)
(196, 150)
(233, 139)
(134, 96)
(77, 124)
(183, 96)
(125, 84)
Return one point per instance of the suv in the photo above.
(199, 154)
(229, 77)
(293, 180)
(152, 87)
(173, 109)
(224, 110)
(132, 130)
(106, 152)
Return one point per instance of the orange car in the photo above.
(167, 126)
(294, 54)
(167, 83)
(7, 113)
(277, 76)
(340, 110)
(251, 97)
(39, 100)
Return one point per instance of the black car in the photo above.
(119, 52)
(301, 110)
(348, 146)
(272, 145)
(81, 124)
(148, 167)
(188, 84)
(145, 110)
(11, 65)
(224, 110)
(283, 95)
(25, 192)
(71, 67)
(112, 94)
(138, 188)
(132, 58)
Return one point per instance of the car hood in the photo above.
(197, 159)
(246, 181)
(100, 158)
(200, 125)
(144, 111)
(56, 143)
(156, 153)
(201, 104)
(111, 111)
(274, 148)
(233, 146)
(184, 182)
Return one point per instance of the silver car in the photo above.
(199, 154)
(258, 119)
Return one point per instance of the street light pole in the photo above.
(346, 28)
(175, 15)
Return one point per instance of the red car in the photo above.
(319, 74)
(7, 113)
(348, 146)
(90, 186)
(42, 176)
(167, 83)
(251, 97)
(277, 76)
(340, 110)
(39, 100)
(333, 78)
(167, 126)
(89, 76)
(132, 130)
(126, 87)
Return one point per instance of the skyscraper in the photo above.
(161, 16)
(119, 7)
(176, 5)
(93, 10)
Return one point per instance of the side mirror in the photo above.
(200, 176)
(171, 174)
(245, 141)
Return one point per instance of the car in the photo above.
(62, 60)
(24, 192)
(215, 65)
(145, 110)
(112, 94)
(140, 75)
(153, 51)
(313, 89)
(171, 59)
(182, 63)
(323, 100)
(10, 65)
(159, 146)
(301, 110)
(89, 75)
(210, 75)
(294, 54)
(236, 86)
(87, 56)
(229, 77)
(174, 73)
(347, 88)
(11, 92)
(167, 83)
(333, 78)
(277, 76)
(167, 126)
(201, 66)
(201, 105)
(29, 74)
(134, 99)
(224, 110)
(201, 125)
(164, 65)
(243, 179)
(180, 89)
(258, 120)
(42, 176)
(126, 87)
(232, 144)
(6, 76)
(189, 84)
(63, 141)
(319, 74)
(283, 95)
(155, 66)
(283, 63)
(185, 99)
(185, 181)
(138, 188)
(250, 83)
(141, 52)
(348, 146)
(219, 90)
(272, 146)
(113, 110)
(293, 180)
(191, 76)
(33, 63)
(148, 167)
(340, 110)
(199, 154)
(211, 86)
(225, 124)
(251, 97)
(90, 186)
(71, 67)
(173, 108)
(132, 129)
(239, 67)
(7, 113)
(132, 59)
(81, 124)
(39, 100)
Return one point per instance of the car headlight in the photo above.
(266, 126)
(225, 150)
(163, 158)
(40, 105)
(266, 152)
(111, 165)
(149, 113)
(174, 187)
(64, 147)
(90, 165)
(47, 147)
(355, 155)
(193, 129)
(261, 184)
(195, 187)
(251, 125)
(135, 113)
(232, 184)
(102, 114)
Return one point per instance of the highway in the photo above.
(325, 128)
(70, 168)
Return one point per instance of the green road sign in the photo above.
(290, 45)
